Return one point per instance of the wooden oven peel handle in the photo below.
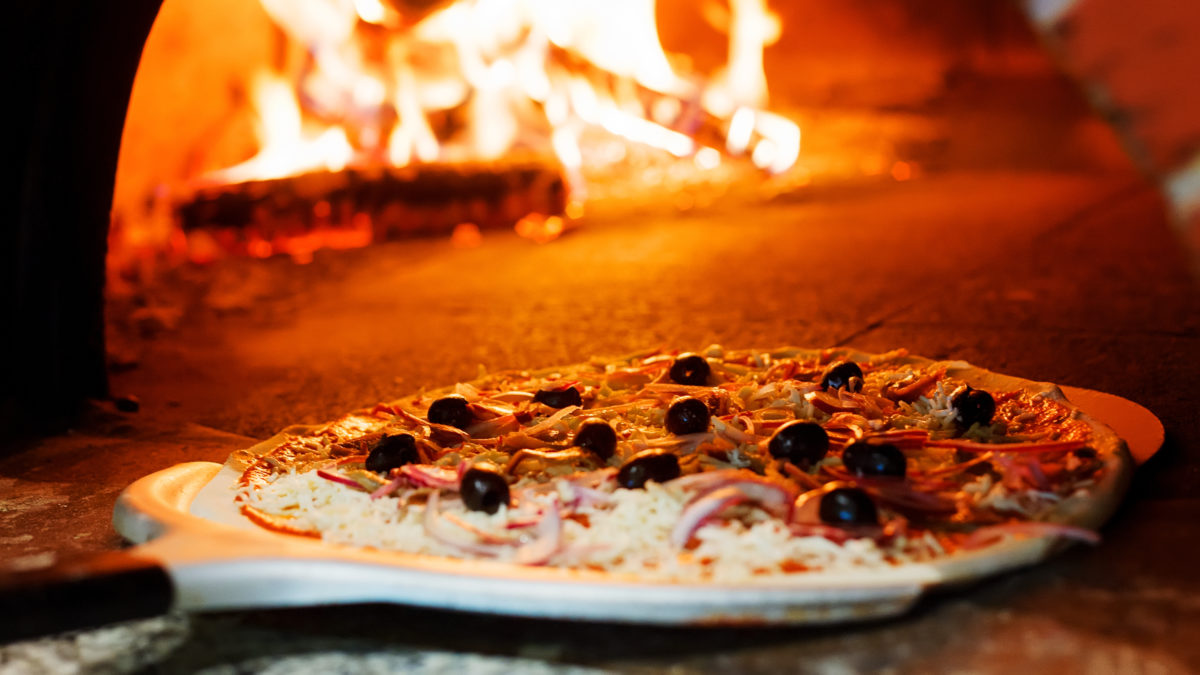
(82, 593)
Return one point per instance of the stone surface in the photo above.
(1068, 277)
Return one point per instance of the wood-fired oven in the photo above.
(922, 175)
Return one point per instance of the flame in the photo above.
(371, 84)
(286, 148)
(381, 79)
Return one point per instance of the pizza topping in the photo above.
(848, 506)
(451, 411)
(874, 459)
(916, 453)
(986, 536)
(800, 442)
(691, 369)
(1035, 447)
(338, 479)
(424, 475)
(687, 415)
(843, 374)
(393, 452)
(598, 436)
(559, 461)
(484, 489)
(454, 535)
(654, 464)
(702, 510)
(549, 538)
(558, 398)
(973, 406)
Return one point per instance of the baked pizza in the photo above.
(721, 465)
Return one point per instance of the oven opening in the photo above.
(337, 201)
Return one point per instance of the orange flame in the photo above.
(528, 76)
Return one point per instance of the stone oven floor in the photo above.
(1069, 277)
(1064, 272)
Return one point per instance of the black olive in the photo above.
(690, 369)
(799, 442)
(839, 375)
(848, 506)
(657, 465)
(452, 411)
(558, 398)
(874, 459)
(484, 489)
(974, 406)
(687, 415)
(392, 452)
(598, 436)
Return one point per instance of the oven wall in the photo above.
(74, 66)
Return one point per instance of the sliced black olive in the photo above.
(484, 489)
(973, 406)
(687, 415)
(558, 398)
(690, 369)
(799, 442)
(452, 411)
(392, 452)
(598, 436)
(841, 374)
(848, 506)
(874, 459)
(657, 465)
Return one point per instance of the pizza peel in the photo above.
(196, 553)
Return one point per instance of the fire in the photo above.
(527, 76)
(397, 88)
(286, 147)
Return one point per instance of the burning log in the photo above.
(355, 207)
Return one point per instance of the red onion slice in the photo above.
(389, 487)
(450, 535)
(427, 475)
(548, 541)
(701, 510)
(340, 479)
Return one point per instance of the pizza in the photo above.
(721, 465)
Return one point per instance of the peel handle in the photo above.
(83, 592)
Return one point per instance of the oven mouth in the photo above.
(907, 125)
